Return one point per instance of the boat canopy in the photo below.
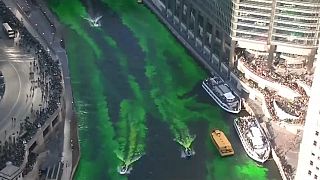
(229, 95)
(256, 138)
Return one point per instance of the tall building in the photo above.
(202, 24)
(287, 29)
(309, 155)
(284, 31)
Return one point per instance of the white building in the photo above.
(309, 156)
(289, 28)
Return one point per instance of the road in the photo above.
(49, 37)
(15, 65)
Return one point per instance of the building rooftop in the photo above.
(9, 171)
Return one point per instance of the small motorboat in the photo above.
(124, 169)
(188, 152)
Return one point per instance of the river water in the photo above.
(138, 93)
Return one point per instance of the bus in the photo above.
(8, 30)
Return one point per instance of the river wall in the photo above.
(278, 162)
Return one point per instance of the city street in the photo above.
(19, 96)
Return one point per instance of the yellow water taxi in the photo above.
(222, 143)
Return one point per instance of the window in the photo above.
(318, 157)
(317, 168)
(317, 133)
(312, 154)
(314, 143)
(315, 177)
(309, 172)
(311, 163)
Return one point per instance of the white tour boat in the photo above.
(222, 94)
(253, 138)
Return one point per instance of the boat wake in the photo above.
(93, 21)
(126, 164)
(186, 143)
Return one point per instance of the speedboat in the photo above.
(188, 152)
(124, 169)
(253, 138)
(222, 94)
(94, 22)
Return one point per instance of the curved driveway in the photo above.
(15, 67)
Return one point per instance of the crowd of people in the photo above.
(297, 107)
(32, 157)
(258, 65)
(244, 124)
(49, 80)
(2, 85)
(271, 96)
(12, 152)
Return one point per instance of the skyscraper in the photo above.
(309, 155)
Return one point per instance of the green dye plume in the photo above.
(131, 132)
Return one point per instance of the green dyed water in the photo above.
(133, 82)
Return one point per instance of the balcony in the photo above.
(258, 25)
(301, 9)
(296, 16)
(255, 18)
(255, 4)
(252, 32)
(313, 3)
(297, 29)
(291, 36)
(250, 37)
(257, 12)
(282, 39)
(297, 22)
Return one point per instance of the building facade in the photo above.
(280, 30)
(286, 30)
(309, 155)
(204, 25)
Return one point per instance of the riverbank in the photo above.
(45, 28)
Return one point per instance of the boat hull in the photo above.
(216, 99)
(249, 152)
